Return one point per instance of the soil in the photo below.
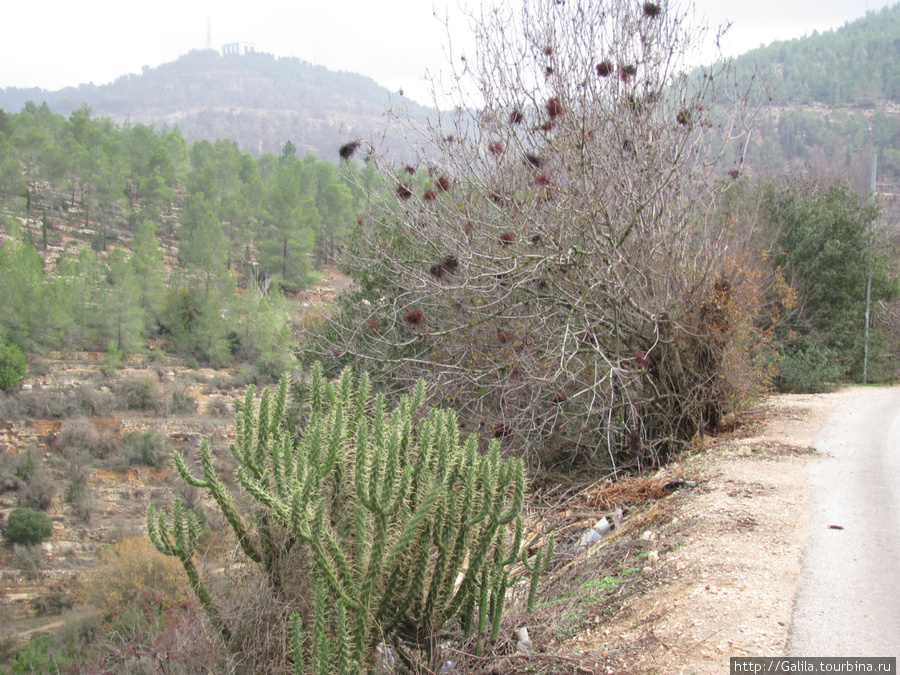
(725, 559)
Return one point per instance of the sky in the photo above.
(53, 44)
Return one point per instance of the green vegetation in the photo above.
(27, 526)
(40, 655)
(820, 242)
(245, 230)
(829, 100)
(372, 525)
(13, 367)
(827, 253)
(853, 65)
(558, 282)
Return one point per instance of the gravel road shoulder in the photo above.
(730, 555)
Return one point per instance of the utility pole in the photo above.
(869, 279)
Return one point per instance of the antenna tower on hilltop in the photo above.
(208, 33)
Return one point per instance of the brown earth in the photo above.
(724, 562)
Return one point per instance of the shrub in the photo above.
(218, 407)
(77, 493)
(52, 604)
(27, 526)
(38, 491)
(80, 630)
(565, 271)
(830, 253)
(36, 487)
(11, 406)
(80, 434)
(48, 404)
(27, 463)
(13, 367)
(29, 559)
(38, 656)
(8, 478)
(92, 401)
(808, 368)
(82, 502)
(149, 448)
(137, 392)
(132, 575)
(182, 403)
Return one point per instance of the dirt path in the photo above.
(730, 557)
(40, 629)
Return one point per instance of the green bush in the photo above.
(13, 367)
(29, 527)
(38, 656)
(826, 248)
(807, 369)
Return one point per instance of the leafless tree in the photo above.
(552, 266)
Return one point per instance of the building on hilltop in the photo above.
(238, 48)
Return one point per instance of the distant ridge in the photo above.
(255, 99)
(855, 65)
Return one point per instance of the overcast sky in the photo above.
(57, 43)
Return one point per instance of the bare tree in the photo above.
(551, 267)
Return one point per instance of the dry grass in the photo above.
(578, 590)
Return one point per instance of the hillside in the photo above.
(828, 103)
(571, 312)
(255, 99)
(839, 89)
(855, 65)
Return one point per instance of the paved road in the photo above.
(848, 603)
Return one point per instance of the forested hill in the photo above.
(255, 99)
(830, 104)
(855, 65)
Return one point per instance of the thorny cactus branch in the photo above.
(391, 509)
(180, 542)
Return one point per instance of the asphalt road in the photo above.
(848, 603)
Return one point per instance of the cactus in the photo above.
(408, 529)
(542, 558)
(180, 541)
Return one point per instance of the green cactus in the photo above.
(408, 529)
(542, 558)
(180, 541)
